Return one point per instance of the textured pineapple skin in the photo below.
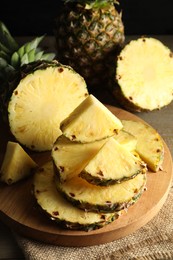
(16, 165)
(89, 40)
(58, 209)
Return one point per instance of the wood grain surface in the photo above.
(19, 211)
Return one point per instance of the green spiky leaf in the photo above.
(89, 4)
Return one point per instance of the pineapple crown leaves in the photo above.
(90, 4)
(14, 55)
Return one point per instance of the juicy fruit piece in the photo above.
(88, 36)
(42, 99)
(90, 121)
(149, 143)
(112, 164)
(17, 164)
(59, 209)
(102, 199)
(71, 157)
(127, 140)
(144, 75)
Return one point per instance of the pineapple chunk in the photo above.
(127, 140)
(102, 199)
(144, 75)
(71, 157)
(17, 164)
(112, 164)
(149, 143)
(59, 209)
(90, 121)
(41, 101)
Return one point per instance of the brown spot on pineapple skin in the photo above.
(72, 194)
(130, 98)
(171, 55)
(100, 173)
(158, 151)
(16, 92)
(73, 137)
(56, 148)
(61, 168)
(55, 213)
(60, 70)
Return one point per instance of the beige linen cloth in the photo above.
(153, 241)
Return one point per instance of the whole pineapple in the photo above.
(89, 35)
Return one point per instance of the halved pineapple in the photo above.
(16, 165)
(90, 121)
(102, 199)
(149, 143)
(42, 99)
(144, 75)
(71, 157)
(126, 139)
(59, 209)
(112, 164)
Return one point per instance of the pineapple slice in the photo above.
(144, 75)
(127, 140)
(59, 209)
(90, 121)
(17, 164)
(112, 164)
(149, 143)
(41, 101)
(110, 198)
(71, 157)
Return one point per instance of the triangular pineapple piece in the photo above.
(149, 143)
(17, 164)
(112, 164)
(90, 121)
(59, 209)
(71, 157)
(126, 139)
(102, 199)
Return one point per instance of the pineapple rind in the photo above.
(149, 146)
(105, 199)
(112, 164)
(71, 157)
(59, 209)
(41, 101)
(90, 121)
(16, 165)
(144, 83)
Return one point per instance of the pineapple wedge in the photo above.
(112, 164)
(47, 94)
(144, 75)
(106, 199)
(149, 143)
(17, 164)
(59, 209)
(90, 121)
(127, 140)
(71, 157)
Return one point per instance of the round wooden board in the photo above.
(18, 208)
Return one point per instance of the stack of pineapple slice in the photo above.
(93, 176)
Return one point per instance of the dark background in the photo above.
(141, 17)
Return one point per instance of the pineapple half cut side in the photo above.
(59, 209)
(105, 199)
(144, 75)
(90, 121)
(42, 99)
(16, 165)
(149, 145)
(112, 164)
